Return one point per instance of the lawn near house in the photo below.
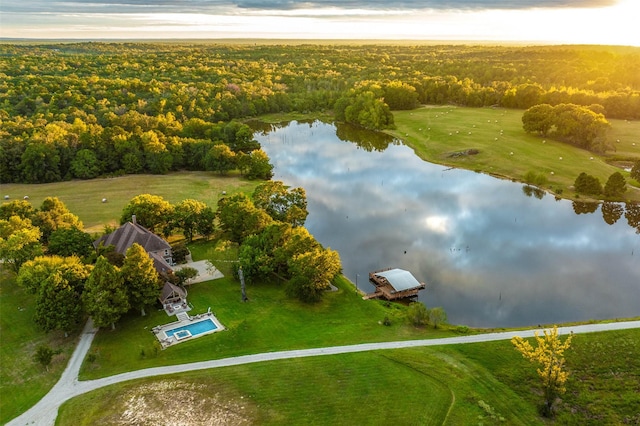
(505, 150)
(269, 321)
(23, 381)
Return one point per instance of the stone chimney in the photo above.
(133, 219)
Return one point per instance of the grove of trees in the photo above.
(575, 124)
(82, 110)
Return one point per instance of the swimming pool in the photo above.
(192, 329)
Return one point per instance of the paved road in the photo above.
(45, 411)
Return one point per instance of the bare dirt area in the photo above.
(179, 403)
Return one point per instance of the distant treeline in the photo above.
(160, 107)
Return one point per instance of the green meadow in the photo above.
(438, 133)
(84, 197)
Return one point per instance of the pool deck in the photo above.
(184, 319)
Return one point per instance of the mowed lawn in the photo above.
(505, 150)
(84, 197)
(482, 383)
(395, 387)
(22, 380)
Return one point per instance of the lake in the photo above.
(491, 253)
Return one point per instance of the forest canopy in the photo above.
(82, 110)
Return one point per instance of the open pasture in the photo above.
(440, 134)
(84, 197)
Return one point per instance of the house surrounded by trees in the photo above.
(131, 232)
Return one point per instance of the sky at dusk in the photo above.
(546, 21)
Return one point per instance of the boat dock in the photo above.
(393, 283)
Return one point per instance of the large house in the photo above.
(131, 232)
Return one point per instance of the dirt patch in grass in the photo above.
(179, 403)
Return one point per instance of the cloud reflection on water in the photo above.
(490, 255)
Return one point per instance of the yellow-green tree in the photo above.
(549, 354)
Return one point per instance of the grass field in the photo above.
(22, 381)
(84, 197)
(505, 150)
(414, 386)
(484, 383)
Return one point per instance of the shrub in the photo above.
(437, 316)
(418, 314)
(180, 252)
(44, 354)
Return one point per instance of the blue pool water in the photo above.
(194, 328)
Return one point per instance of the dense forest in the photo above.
(81, 110)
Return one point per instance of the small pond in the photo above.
(491, 252)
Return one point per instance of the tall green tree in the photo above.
(259, 165)
(239, 218)
(312, 273)
(140, 278)
(418, 314)
(400, 96)
(206, 222)
(19, 242)
(616, 185)
(587, 184)
(538, 119)
(85, 164)
(437, 316)
(105, 297)
(21, 208)
(69, 242)
(281, 203)
(220, 159)
(40, 163)
(58, 304)
(187, 216)
(53, 215)
(152, 211)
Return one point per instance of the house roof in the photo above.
(159, 263)
(129, 233)
(399, 279)
(170, 290)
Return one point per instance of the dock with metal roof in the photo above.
(394, 283)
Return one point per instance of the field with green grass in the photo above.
(23, 381)
(483, 383)
(436, 133)
(84, 197)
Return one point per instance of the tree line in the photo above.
(81, 110)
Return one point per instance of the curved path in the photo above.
(44, 413)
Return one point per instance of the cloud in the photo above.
(216, 6)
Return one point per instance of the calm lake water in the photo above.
(490, 254)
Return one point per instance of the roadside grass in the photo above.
(84, 197)
(603, 385)
(408, 386)
(22, 380)
(505, 150)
